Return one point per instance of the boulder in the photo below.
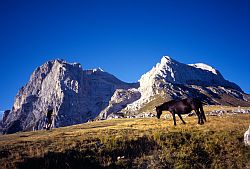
(247, 137)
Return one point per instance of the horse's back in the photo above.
(192, 101)
(183, 104)
(186, 105)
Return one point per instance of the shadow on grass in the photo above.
(68, 159)
(162, 150)
(105, 155)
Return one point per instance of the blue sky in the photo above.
(125, 38)
(1, 114)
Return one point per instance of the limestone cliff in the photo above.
(74, 94)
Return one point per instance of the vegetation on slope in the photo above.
(132, 143)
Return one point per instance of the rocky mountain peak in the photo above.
(172, 71)
(171, 79)
(166, 60)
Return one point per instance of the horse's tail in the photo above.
(202, 112)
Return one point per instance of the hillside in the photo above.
(132, 143)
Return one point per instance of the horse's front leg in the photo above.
(200, 120)
(181, 119)
(173, 114)
(201, 117)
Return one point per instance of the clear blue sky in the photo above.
(126, 38)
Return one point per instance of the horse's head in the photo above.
(159, 111)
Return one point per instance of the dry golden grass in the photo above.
(219, 107)
(118, 136)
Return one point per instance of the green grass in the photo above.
(144, 143)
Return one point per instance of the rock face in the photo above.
(3, 119)
(170, 79)
(74, 94)
(77, 95)
(119, 101)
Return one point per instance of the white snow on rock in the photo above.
(204, 66)
(98, 69)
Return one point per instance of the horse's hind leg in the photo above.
(173, 114)
(203, 114)
(181, 119)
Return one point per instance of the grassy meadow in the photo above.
(133, 143)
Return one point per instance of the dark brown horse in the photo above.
(184, 106)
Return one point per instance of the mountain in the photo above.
(77, 95)
(171, 79)
(74, 94)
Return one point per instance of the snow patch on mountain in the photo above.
(204, 66)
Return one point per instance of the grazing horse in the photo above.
(184, 106)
